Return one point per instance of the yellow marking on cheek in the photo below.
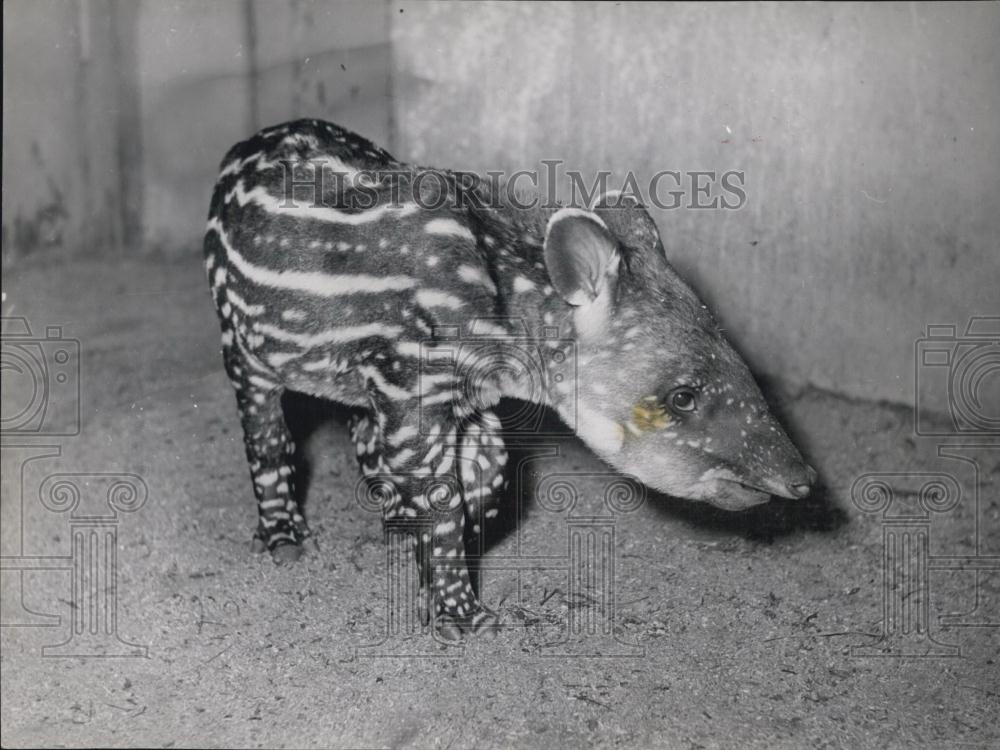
(649, 414)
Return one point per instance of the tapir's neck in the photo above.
(539, 327)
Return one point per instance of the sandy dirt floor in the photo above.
(754, 629)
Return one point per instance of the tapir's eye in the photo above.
(682, 399)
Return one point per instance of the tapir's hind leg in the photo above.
(367, 439)
(270, 451)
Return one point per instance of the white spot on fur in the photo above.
(279, 359)
(450, 228)
(472, 275)
(408, 348)
(400, 436)
(391, 391)
(522, 285)
(435, 298)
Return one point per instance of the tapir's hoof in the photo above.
(286, 553)
(488, 627)
(448, 628)
(423, 607)
(310, 545)
(482, 624)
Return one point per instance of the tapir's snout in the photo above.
(794, 484)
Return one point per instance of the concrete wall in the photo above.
(63, 111)
(212, 73)
(869, 135)
(118, 112)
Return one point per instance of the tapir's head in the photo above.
(661, 394)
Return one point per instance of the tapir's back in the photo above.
(322, 250)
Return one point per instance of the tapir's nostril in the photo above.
(799, 490)
(811, 475)
(802, 488)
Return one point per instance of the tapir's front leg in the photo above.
(421, 468)
(482, 463)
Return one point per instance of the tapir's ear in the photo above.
(581, 255)
(628, 219)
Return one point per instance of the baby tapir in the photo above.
(340, 272)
